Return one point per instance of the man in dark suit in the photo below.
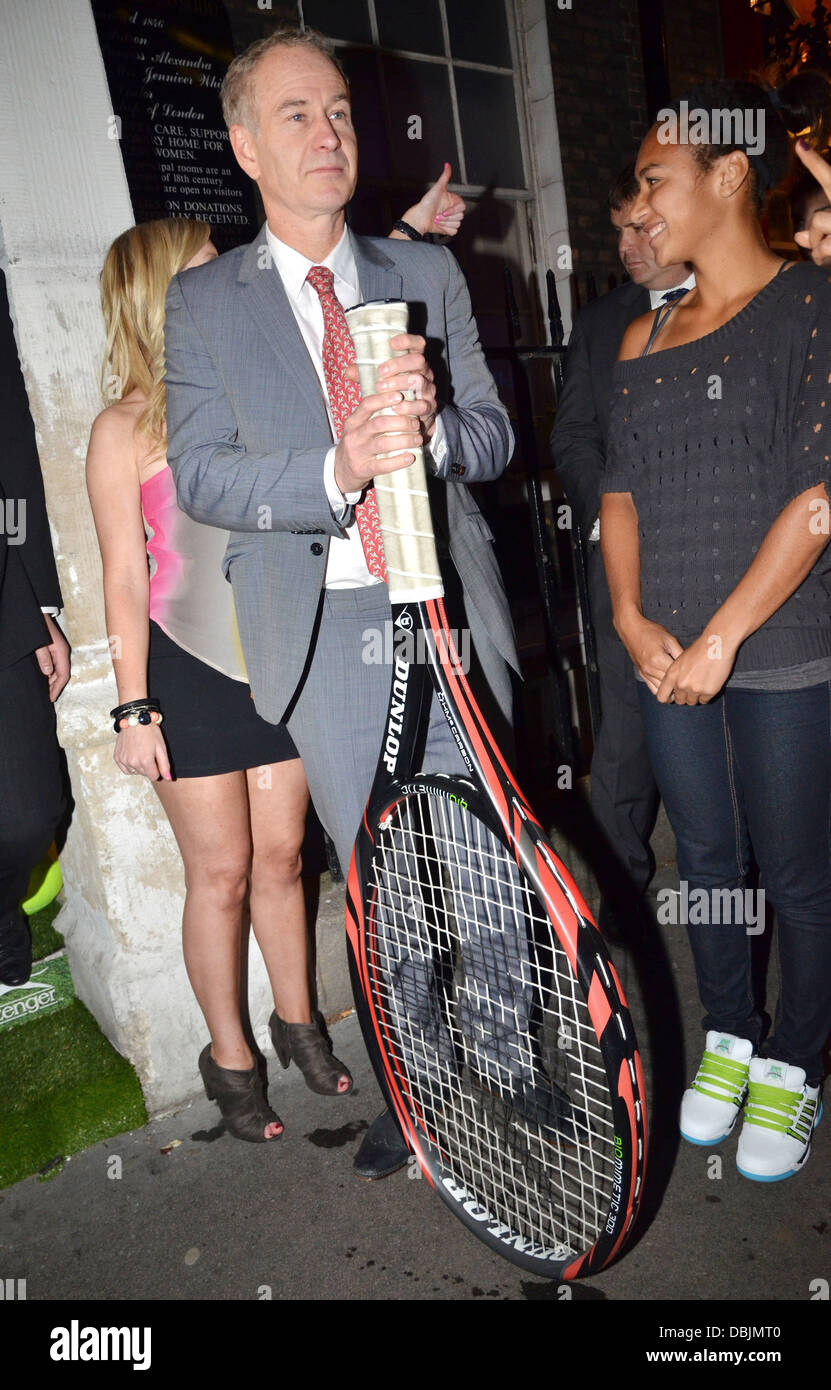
(624, 797)
(34, 663)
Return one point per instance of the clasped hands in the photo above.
(674, 674)
(357, 459)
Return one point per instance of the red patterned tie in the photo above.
(344, 396)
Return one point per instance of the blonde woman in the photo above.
(231, 784)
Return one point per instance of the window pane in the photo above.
(421, 118)
(370, 212)
(487, 112)
(494, 223)
(367, 113)
(249, 23)
(479, 31)
(339, 19)
(414, 26)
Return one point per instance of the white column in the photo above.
(546, 168)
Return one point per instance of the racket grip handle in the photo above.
(403, 503)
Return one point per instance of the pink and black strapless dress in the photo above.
(195, 666)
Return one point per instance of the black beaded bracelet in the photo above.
(134, 712)
(401, 226)
(129, 706)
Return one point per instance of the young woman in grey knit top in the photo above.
(714, 526)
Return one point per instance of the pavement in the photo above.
(133, 1218)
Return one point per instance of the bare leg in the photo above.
(209, 817)
(278, 799)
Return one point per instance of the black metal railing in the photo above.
(564, 600)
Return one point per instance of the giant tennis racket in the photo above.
(493, 1016)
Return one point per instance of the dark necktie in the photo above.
(662, 312)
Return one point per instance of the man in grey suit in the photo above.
(253, 448)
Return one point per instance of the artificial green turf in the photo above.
(62, 1087)
(45, 940)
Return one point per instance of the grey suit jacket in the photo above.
(248, 432)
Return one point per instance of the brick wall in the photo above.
(693, 29)
(597, 63)
(601, 114)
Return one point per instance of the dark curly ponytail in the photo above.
(801, 105)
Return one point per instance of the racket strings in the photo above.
(485, 1026)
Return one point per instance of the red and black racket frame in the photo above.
(492, 794)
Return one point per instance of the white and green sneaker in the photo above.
(779, 1118)
(711, 1104)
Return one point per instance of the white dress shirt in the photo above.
(346, 567)
(656, 297)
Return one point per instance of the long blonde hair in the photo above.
(137, 271)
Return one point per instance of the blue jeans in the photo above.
(749, 774)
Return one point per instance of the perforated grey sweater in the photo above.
(713, 439)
